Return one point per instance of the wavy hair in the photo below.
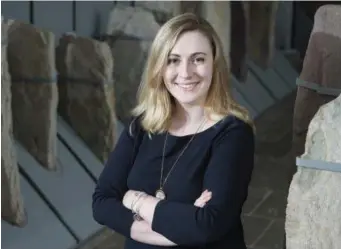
(155, 105)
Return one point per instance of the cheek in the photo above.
(205, 72)
(168, 77)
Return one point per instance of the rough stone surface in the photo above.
(12, 204)
(261, 19)
(132, 21)
(130, 34)
(321, 66)
(313, 218)
(218, 14)
(31, 60)
(86, 91)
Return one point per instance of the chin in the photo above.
(189, 100)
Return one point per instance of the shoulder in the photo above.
(134, 127)
(233, 129)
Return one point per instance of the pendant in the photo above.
(160, 194)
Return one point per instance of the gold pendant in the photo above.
(160, 194)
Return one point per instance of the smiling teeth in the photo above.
(188, 86)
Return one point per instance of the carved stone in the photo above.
(86, 91)
(313, 217)
(321, 66)
(31, 59)
(130, 34)
(12, 204)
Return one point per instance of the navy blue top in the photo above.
(219, 159)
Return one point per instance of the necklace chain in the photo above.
(182, 152)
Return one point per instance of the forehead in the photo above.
(191, 42)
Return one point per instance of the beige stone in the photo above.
(130, 34)
(313, 217)
(218, 14)
(34, 90)
(132, 22)
(86, 91)
(321, 66)
(12, 204)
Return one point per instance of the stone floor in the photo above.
(264, 210)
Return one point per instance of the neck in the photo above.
(189, 114)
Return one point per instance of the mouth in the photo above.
(187, 86)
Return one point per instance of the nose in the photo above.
(185, 70)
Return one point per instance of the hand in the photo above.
(129, 197)
(203, 199)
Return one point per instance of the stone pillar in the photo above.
(34, 90)
(321, 68)
(86, 91)
(238, 41)
(261, 20)
(218, 14)
(130, 34)
(313, 217)
(12, 204)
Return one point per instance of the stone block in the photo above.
(321, 68)
(130, 34)
(31, 60)
(261, 20)
(313, 217)
(86, 91)
(12, 204)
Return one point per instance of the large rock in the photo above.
(12, 204)
(130, 34)
(321, 67)
(86, 91)
(313, 217)
(31, 59)
(261, 20)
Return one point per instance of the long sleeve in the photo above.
(107, 206)
(227, 175)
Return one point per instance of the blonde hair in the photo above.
(155, 105)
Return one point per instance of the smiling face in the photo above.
(188, 74)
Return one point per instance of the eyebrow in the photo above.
(194, 54)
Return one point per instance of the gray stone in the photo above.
(31, 60)
(313, 218)
(132, 21)
(130, 34)
(86, 91)
(321, 66)
(260, 19)
(218, 14)
(12, 204)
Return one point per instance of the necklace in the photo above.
(160, 194)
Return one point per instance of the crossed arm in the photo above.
(141, 231)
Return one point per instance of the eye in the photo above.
(199, 60)
(172, 61)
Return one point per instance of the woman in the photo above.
(179, 174)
